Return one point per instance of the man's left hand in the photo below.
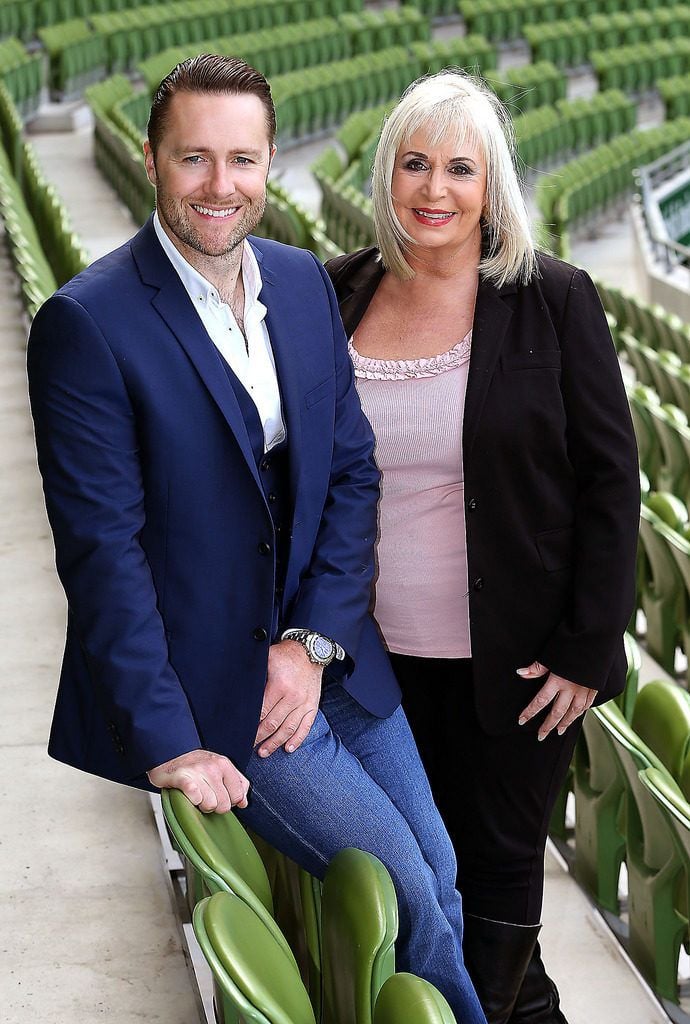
(570, 700)
(291, 698)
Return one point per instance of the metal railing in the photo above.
(650, 182)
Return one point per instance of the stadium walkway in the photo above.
(87, 927)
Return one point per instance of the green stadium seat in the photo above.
(663, 593)
(409, 999)
(256, 979)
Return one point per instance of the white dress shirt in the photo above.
(252, 363)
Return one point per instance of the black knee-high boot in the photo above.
(537, 1001)
(497, 956)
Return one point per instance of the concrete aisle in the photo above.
(86, 921)
(597, 984)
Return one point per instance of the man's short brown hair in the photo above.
(209, 73)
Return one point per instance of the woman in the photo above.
(509, 504)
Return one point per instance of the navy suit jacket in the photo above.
(160, 520)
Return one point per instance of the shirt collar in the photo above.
(196, 285)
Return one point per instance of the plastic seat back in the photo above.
(663, 593)
(297, 910)
(626, 699)
(359, 921)
(599, 788)
(657, 925)
(662, 720)
(256, 978)
(220, 857)
(407, 999)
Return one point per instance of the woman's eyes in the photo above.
(457, 170)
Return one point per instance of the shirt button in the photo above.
(472, 504)
(272, 497)
(478, 583)
(260, 633)
(266, 464)
(264, 548)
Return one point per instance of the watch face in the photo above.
(322, 648)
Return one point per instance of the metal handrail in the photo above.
(648, 180)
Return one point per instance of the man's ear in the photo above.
(271, 154)
(150, 163)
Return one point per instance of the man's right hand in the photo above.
(209, 780)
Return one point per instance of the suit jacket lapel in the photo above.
(175, 308)
(285, 339)
(491, 319)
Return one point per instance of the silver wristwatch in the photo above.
(320, 649)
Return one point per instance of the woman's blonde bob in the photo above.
(453, 106)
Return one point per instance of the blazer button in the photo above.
(272, 497)
(265, 464)
(264, 548)
(260, 633)
(472, 504)
(478, 583)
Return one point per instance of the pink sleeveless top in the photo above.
(415, 407)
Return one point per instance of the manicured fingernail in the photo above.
(263, 752)
(290, 748)
(560, 731)
(521, 721)
(541, 738)
(523, 671)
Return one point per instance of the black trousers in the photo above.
(495, 793)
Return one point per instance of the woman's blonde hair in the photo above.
(454, 105)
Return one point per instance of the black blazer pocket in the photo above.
(555, 548)
(544, 359)
(320, 392)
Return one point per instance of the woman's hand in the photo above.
(570, 700)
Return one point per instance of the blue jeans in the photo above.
(357, 780)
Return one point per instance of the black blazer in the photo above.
(551, 483)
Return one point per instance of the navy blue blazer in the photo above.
(160, 520)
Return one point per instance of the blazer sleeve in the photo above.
(335, 592)
(92, 477)
(601, 447)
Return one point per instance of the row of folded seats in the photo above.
(23, 18)
(630, 49)
(630, 775)
(284, 947)
(506, 19)
(660, 407)
(43, 248)
(584, 188)
(631, 782)
(117, 42)
(574, 42)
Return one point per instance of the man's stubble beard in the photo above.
(180, 226)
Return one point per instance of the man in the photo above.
(209, 481)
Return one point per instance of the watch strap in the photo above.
(300, 634)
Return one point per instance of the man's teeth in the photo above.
(434, 216)
(216, 213)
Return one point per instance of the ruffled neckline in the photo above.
(406, 369)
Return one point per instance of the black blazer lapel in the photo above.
(173, 304)
(491, 319)
(355, 279)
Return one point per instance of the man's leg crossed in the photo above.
(357, 781)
